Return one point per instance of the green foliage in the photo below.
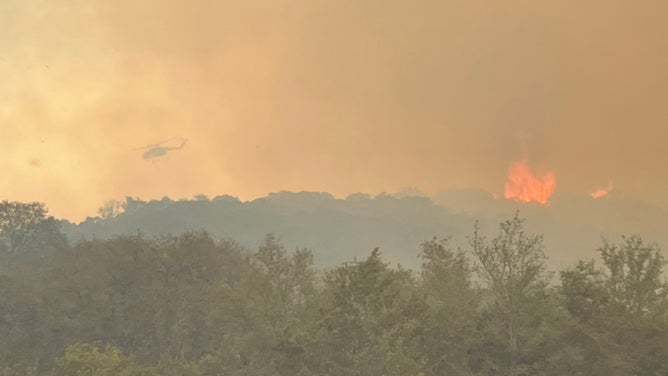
(27, 234)
(18, 323)
(513, 268)
(18, 221)
(83, 359)
(190, 306)
(622, 309)
(512, 264)
(262, 317)
(452, 307)
(369, 323)
(18, 369)
(634, 276)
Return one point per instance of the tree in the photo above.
(148, 297)
(18, 222)
(634, 276)
(177, 297)
(369, 322)
(452, 300)
(132, 204)
(622, 308)
(26, 227)
(512, 265)
(110, 209)
(83, 359)
(262, 317)
(18, 324)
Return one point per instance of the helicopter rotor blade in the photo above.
(158, 144)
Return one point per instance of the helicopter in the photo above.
(159, 149)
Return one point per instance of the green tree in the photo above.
(634, 276)
(453, 302)
(26, 226)
(512, 266)
(83, 359)
(262, 318)
(149, 297)
(370, 322)
(18, 369)
(622, 308)
(19, 314)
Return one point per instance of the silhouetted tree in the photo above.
(110, 209)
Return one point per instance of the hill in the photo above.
(338, 230)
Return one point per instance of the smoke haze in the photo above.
(341, 96)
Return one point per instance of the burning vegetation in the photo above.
(601, 192)
(525, 186)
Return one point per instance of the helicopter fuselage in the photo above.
(155, 152)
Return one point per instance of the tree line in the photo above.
(192, 305)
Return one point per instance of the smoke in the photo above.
(341, 96)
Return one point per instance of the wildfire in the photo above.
(524, 186)
(601, 192)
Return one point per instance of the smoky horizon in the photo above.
(313, 96)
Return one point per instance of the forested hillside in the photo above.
(190, 304)
(338, 230)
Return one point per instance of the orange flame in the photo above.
(601, 192)
(524, 186)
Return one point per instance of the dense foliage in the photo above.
(191, 305)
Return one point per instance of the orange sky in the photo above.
(338, 96)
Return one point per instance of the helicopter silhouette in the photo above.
(159, 150)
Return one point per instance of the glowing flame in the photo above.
(524, 186)
(601, 192)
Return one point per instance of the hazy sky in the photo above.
(338, 96)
